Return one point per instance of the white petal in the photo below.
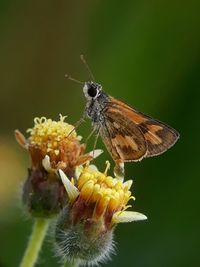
(96, 153)
(92, 167)
(127, 216)
(46, 163)
(78, 171)
(72, 191)
(128, 183)
(79, 137)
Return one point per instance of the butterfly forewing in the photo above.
(158, 136)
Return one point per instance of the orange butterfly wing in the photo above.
(123, 139)
(148, 133)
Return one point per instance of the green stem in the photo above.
(35, 243)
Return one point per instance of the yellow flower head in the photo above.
(48, 134)
(102, 196)
(107, 194)
(53, 145)
(98, 202)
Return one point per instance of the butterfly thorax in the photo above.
(95, 108)
(96, 101)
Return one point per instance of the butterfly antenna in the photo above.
(73, 79)
(87, 67)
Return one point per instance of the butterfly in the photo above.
(129, 135)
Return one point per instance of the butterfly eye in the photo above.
(92, 91)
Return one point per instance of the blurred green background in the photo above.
(144, 52)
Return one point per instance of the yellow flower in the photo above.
(106, 196)
(48, 134)
(97, 203)
(52, 145)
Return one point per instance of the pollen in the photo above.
(48, 134)
(106, 193)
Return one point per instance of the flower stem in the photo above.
(35, 243)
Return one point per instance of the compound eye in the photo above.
(92, 91)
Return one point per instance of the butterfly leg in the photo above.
(77, 124)
(90, 135)
(119, 171)
(95, 142)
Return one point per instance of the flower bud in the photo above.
(85, 241)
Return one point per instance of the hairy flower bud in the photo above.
(84, 231)
(84, 241)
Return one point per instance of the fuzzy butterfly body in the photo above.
(129, 135)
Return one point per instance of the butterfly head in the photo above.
(92, 90)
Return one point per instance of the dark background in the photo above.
(144, 52)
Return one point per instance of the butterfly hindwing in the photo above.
(122, 137)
